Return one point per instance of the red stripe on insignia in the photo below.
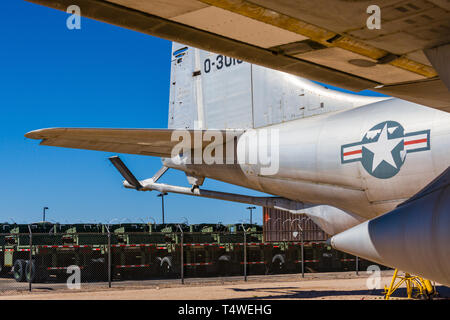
(352, 152)
(415, 141)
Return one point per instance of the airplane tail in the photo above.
(212, 91)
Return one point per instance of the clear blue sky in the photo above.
(99, 76)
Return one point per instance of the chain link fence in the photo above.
(87, 254)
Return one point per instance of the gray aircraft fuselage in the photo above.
(364, 160)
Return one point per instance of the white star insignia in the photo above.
(382, 149)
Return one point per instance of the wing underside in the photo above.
(322, 40)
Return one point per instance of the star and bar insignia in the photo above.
(383, 149)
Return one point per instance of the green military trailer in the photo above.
(140, 250)
(53, 248)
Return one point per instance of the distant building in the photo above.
(280, 225)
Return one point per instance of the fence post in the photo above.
(182, 257)
(182, 254)
(30, 259)
(303, 254)
(109, 257)
(245, 255)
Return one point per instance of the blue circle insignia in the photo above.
(383, 150)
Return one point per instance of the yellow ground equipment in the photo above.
(416, 287)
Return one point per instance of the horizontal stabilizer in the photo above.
(150, 142)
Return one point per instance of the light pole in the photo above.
(251, 212)
(162, 194)
(303, 242)
(43, 213)
(245, 250)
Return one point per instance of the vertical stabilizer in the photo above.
(209, 91)
(212, 91)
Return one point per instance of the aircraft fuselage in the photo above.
(364, 160)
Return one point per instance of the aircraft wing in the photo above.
(151, 142)
(322, 40)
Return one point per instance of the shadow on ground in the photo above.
(295, 293)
